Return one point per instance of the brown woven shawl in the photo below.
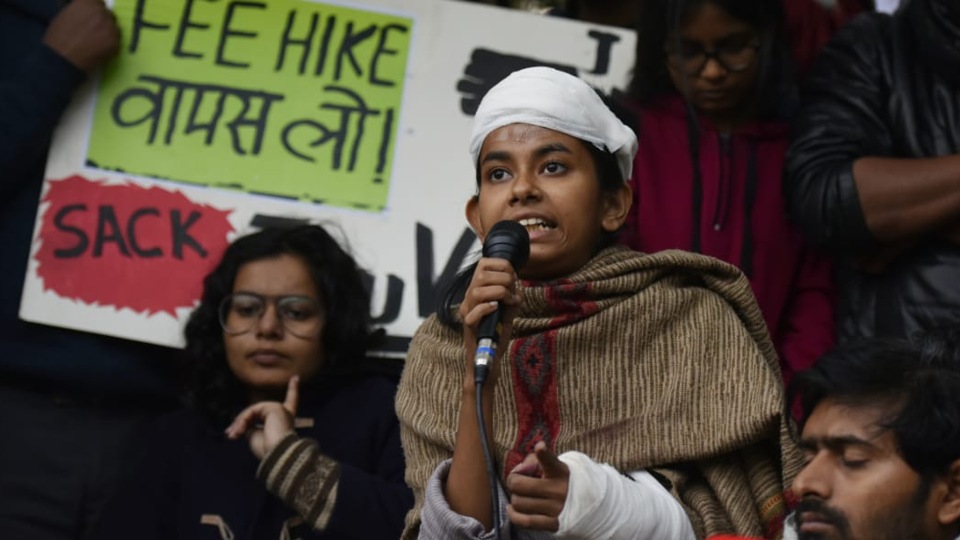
(640, 361)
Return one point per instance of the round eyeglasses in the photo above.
(733, 56)
(299, 315)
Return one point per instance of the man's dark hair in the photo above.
(212, 388)
(917, 379)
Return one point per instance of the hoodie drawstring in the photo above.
(723, 188)
(749, 196)
(750, 193)
(693, 136)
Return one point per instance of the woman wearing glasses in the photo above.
(283, 318)
(712, 92)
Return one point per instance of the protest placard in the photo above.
(219, 117)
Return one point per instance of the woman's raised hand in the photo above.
(266, 423)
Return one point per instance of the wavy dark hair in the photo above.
(661, 20)
(212, 388)
(917, 380)
(608, 174)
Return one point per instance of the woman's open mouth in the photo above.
(536, 224)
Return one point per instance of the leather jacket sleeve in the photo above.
(841, 120)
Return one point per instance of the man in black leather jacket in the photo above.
(874, 169)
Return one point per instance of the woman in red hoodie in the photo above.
(712, 92)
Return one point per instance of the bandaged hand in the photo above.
(538, 490)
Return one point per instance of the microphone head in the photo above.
(508, 240)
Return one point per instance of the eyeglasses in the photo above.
(734, 55)
(300, 315)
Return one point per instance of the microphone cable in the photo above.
(492, 475)
(510, 241)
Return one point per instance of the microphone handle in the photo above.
(490, 326)
(488, 335)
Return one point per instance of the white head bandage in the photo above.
(552, 99)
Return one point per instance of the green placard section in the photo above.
(287, 98)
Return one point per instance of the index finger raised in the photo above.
(293, 395)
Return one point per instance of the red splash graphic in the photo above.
(146, 249)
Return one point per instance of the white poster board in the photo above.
(219, 118)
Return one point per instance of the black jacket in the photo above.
(36, 84)
(885, 86)
(189, 470)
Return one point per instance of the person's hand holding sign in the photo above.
(85, 33)
(266, 423)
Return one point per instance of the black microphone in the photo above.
(507, 240)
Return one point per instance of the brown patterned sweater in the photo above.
(640, 361)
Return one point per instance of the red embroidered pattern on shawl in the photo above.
(534, 373)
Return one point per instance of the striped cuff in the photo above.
(303, 478)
